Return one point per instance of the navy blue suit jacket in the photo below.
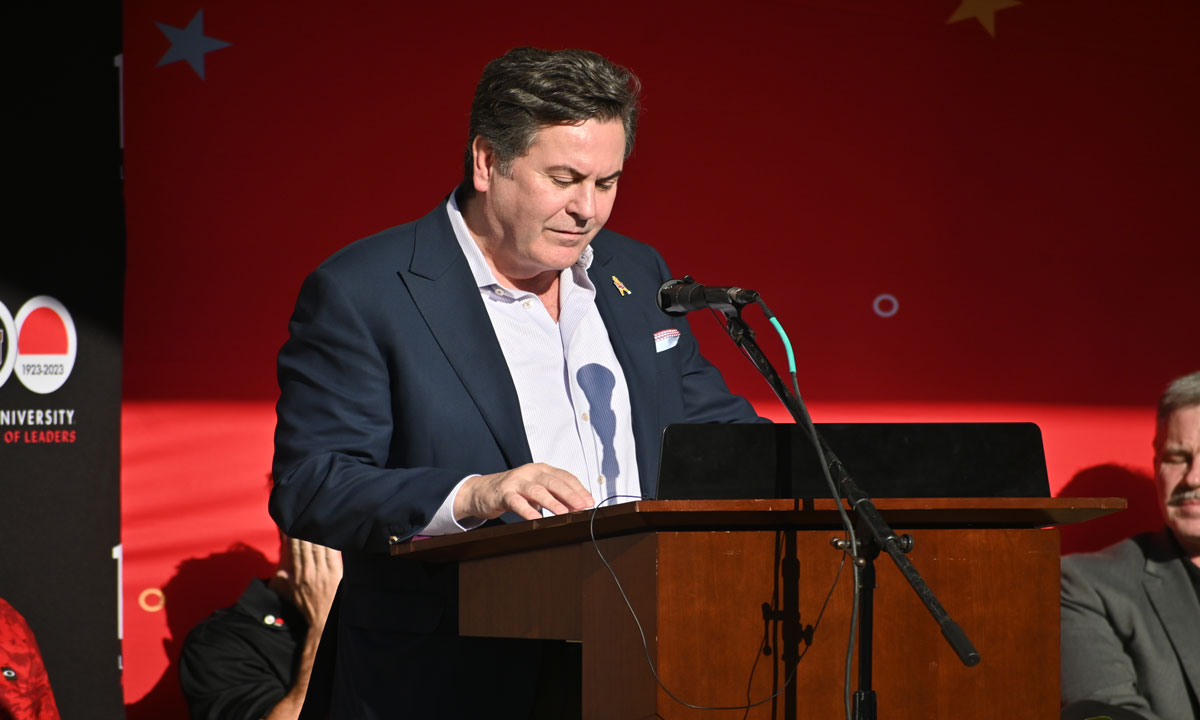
(394, 388)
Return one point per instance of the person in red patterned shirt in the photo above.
(25, 692)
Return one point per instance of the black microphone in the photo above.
(680, 297)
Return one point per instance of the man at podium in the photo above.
(1131, 612)
(499, 358)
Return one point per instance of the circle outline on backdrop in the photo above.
(10, 333)
(39, 386)
(882, 297)
(145, 595)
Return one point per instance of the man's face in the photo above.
(554, 200)
(1177, 446)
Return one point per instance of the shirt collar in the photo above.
(484, 277)
(264, 605)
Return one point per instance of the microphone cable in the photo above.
(851, 543)
(646, 645)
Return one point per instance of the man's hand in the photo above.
(309, 578)
(316, 572)
(524, 490)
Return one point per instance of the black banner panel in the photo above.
(61, 286)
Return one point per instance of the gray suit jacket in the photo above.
(1131, 629)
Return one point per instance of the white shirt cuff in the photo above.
(443, 522)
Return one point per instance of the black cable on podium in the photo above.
(678, 297)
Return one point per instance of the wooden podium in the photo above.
(715, 582)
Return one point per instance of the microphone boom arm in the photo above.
(882, 534)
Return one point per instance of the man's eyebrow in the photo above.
(575, 173)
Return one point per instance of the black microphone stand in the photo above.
(869, 523)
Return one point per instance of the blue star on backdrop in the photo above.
(189, 43)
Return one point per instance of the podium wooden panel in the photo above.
(699, 574)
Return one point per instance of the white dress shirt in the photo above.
(572, 391)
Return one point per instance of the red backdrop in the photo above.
(1024, 197)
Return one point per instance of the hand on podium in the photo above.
(524, 490)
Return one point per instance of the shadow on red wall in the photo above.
(198, 587)
(1111, 481)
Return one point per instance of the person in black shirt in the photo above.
(253, 659)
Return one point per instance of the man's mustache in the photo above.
(1180, 498)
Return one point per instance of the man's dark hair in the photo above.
(1183, 392)
(527, 89)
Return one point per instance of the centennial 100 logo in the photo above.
(38, 345)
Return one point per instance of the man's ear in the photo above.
(485, 165)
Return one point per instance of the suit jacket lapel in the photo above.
(444, 291)
(632, 341)
(1169, 588)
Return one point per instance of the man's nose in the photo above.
(1191, 476)
(582, 205)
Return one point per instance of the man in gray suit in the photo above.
(1131, 613)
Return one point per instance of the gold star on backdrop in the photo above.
(982, 10)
